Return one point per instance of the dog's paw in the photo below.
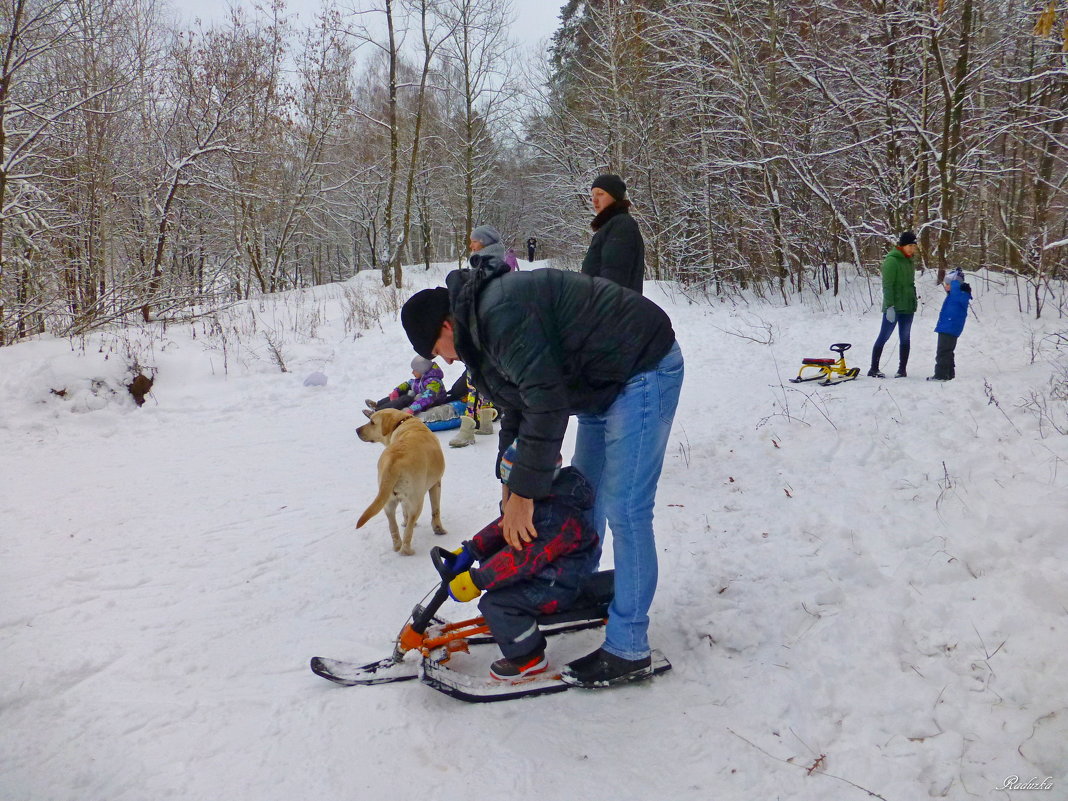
(440, 531)
(396, 545)
(408, 550)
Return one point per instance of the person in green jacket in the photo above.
(899, 303)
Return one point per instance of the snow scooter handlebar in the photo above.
(440, 557)
(423, 616)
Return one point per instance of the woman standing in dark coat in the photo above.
(617, 251)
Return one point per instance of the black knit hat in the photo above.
(422, 316)
(612, 184)
(906, 238)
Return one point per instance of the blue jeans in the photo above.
(903, 323)
(621, 452)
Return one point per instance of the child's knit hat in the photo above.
(955, 275)
(486, 234)
(508, 459)
(421, 365)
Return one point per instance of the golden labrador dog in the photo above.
(410, 467)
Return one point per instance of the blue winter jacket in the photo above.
(954, 311)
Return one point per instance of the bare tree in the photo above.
(478, 68)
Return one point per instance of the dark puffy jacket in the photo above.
(617, 250)
(545, 344)
(562, 550)
(954, 310)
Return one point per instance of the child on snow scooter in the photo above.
(546, 576)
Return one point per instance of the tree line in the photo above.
(150, 169)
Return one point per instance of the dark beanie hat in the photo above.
(906, 238)
(612, 184)
(422, 316)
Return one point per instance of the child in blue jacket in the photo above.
(950, 324)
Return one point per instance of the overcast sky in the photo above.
(535, 19)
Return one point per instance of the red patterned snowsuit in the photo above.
(544, 577)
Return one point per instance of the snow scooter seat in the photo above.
(832, 371)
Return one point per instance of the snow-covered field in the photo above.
(863, 587)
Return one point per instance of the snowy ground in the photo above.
(862, 587)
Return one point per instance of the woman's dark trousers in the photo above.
(903, 323)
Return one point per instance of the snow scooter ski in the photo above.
(432, 641)
(828, 369)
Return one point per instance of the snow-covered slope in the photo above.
(862, 586)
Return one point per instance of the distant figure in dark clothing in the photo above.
(617, 251)
(532, 244)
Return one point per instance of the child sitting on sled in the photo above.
(546, 576)
(414, 396)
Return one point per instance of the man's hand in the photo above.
(518, 520)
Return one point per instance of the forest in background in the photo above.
(149, 169)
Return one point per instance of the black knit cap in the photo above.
(422, 316)
(906, 238)
(612, 184)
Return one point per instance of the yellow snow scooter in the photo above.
(832, 371)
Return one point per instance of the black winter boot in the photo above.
(876, 356)
(903, 362)
(602, 669)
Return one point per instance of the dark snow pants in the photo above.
(512, 613)
(403, 402)
(945, 366)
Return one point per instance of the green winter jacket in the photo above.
(899, 283)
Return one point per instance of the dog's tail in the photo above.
(385, 489)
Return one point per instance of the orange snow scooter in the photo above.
(427, 642)
(832, 371)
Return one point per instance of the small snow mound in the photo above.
(85, 395)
